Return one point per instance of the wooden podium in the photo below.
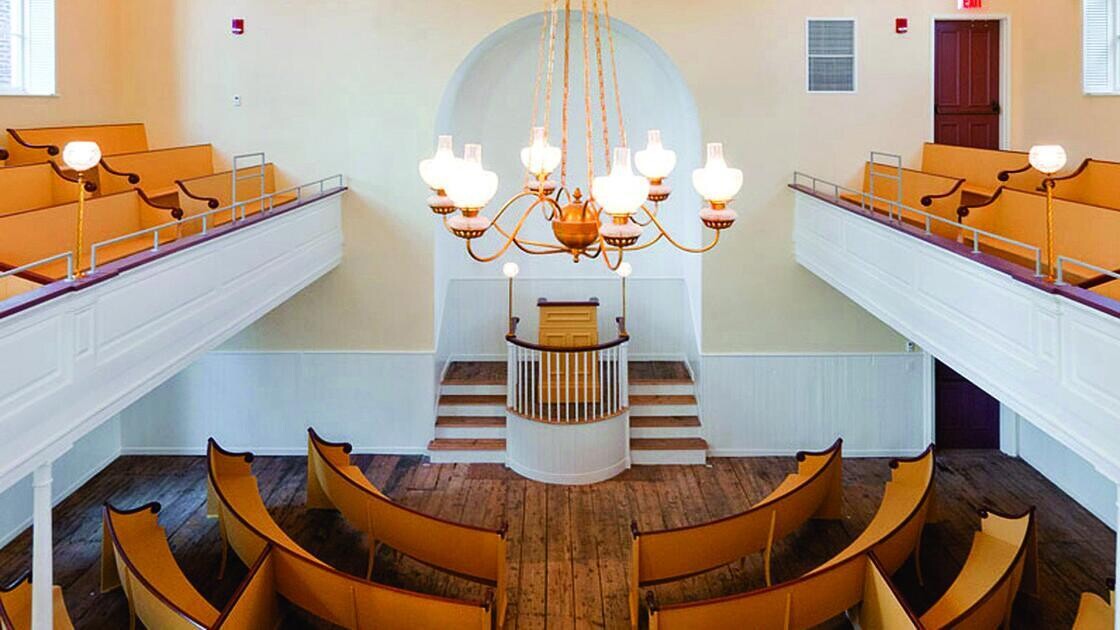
(569, 377)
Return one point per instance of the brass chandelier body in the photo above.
(577, 220)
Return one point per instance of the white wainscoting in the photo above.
(381, 402)
(76, 361)
(660, 319)
(89, 456)
(771, 404)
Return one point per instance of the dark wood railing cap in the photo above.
(589, 302)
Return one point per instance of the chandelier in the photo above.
(462, 187)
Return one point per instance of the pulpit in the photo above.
(569, 377)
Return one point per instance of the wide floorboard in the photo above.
(569, 545)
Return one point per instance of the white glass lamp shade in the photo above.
(437, 170)
(81, 156)
(540, 158)
(624, 270)
(621, 193)
(510, 270)
(717, 182)
(469, 185)
(655, 161)
(1048, 158)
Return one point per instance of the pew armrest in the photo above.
(928, 200)
(176, 211)
(89, 185)
(51, 149)
(1004, 176)
(133, 178)
(966, 209)
(211, 202)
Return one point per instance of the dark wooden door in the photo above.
(966, 83)
(967, 417)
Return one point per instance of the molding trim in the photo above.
(194, 451)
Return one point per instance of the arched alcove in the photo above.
(489, 100)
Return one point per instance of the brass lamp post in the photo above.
(1048, 159)
(624, 271)
(510, 270)
(80, 157)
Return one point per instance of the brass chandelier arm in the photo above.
(650, 243)
(603, 248)
(509, 239)
(668, 237)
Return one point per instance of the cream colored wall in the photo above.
(353, 86)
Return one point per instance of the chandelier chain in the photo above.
(537, 78)
(564, 103)
(614, 74)
(602, 86)
(587, 97)
(554, 6)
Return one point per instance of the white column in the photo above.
(42, 552)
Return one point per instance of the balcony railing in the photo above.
(567, 385)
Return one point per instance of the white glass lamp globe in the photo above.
(624, 270)
(621, 193)
(540, 158)
(655, 161)
(81, 156)
(437, 170)
(510, 270)
(716, 182)
(471, 187)
(1048, 158)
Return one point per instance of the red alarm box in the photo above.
(238, 26)
(902, 25)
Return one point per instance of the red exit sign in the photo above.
(970, 4)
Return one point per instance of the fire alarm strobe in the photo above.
(902, 25)
(238, 26)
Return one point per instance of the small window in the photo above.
(1101, 47)
(26, 47)
(831, 45)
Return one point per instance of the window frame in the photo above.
(25, 53)
(1114, 52)
(854, 56)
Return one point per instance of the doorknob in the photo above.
(996, 109)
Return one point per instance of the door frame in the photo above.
(1004, 68)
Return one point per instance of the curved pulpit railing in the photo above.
(567, 385)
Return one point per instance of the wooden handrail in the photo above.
(176, 211)
(966, 209)
(90, 186)
(622, 338)
(927, 200)
(133, 178)
(51, 149)
(1080, 169)
(211, 202)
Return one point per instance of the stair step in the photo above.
(470, 421)
(668, 444)
(466, 444)
(659, 373)
(662, 399)
(675, 422)
(473, 399)
(475, 373)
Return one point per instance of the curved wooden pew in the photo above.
(135, 556)
(1094, 182)
(814, 491)
(38, 144)
(32, 235)
(309, 583)
(475, 553)
(15, 607)
(1003, 555)
(199, 195)
(37, 186)
(984, 170)
(1081, 231)
(859, 581)
(936, 194)
(1094, 613)
(158, 170)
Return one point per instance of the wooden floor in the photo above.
(569, 546)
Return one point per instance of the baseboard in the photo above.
(197, 451)
(95, 470)
(857, 454)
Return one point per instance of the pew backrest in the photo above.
(1095, 182)
(158, 170)
(1094, 613)
(46, 143)
(984, 170)
(34, 186)
(15, 607)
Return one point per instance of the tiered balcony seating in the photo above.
(309, 583)
(199, 195)
(1003, 555)
(814, 491)
(893, 534)
(37, 186)
(1094, 613)
(41, 144)
(33, 235)
(473, 552)
(984, 170)
(1095, 182)
(935, 194)
(157, 171)
(15, 607)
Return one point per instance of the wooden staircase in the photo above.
(664, 414)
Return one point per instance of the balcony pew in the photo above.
(1094, 613)
(32, 235)
(199, 195)
(474, 553)
(859, 586)
(984, 170)
(135, 556)
(1004, 554)
(309, 583)
(37, 186)
(936, 194)
(15, 607)
(1095, 182)
(157, 171)
(40, 144)
(814, 491)
(1081, 231)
